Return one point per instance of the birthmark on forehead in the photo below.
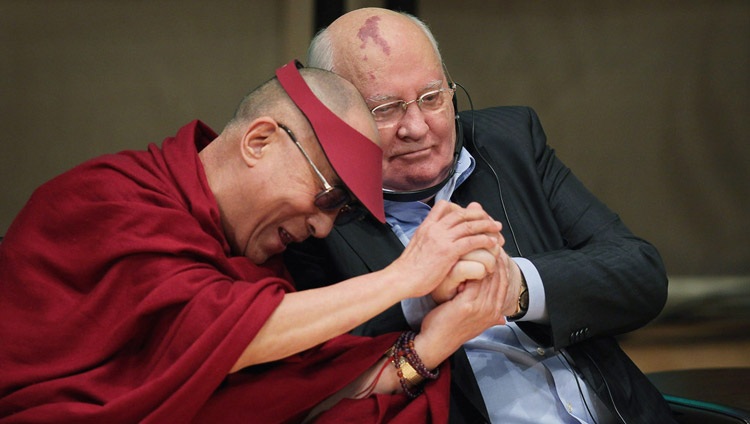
(370, 30)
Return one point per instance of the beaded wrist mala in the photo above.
(409, 367)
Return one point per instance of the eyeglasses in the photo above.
(331, 198)
(390, 113)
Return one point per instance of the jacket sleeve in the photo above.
(599, 278)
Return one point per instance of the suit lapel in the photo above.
(377, 246)
(374, 243)
(484, 190)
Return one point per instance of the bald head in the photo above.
(392, 57)
(358, 44)
(266, 187)
(337, 94)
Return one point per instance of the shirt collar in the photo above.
(411, 214)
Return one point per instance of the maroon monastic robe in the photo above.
(121, 302)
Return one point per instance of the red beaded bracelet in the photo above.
(409, 367)
(416, 361)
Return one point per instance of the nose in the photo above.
(320, 224)
(412, 124)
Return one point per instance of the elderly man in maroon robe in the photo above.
(145, 286)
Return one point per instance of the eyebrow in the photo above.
(386, 97)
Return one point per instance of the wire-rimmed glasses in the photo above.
(388, 114)
(331, 198)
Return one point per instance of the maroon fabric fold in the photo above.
(121, 302)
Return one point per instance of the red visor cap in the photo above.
(354, 157)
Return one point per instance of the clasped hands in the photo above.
(491, 268)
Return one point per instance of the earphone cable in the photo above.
(487, 162)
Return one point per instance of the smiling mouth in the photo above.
(412, 153)
(285, 237)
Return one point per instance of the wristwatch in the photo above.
(523, 301)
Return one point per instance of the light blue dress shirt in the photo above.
(521, 381)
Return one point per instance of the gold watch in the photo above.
(523, 301)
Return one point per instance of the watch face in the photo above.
(523, 300)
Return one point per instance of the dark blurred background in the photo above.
(647, 101)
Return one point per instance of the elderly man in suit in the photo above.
(578, 276)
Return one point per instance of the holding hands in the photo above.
(448, 234)
(473, 265)
(479, 292)
(456, 256)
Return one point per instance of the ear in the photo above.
(258, 134)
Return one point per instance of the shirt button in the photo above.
(569, 407)
(540, 351)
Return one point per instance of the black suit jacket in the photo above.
(599, 279)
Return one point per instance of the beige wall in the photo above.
(646, 101)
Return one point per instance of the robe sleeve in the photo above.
(121, 302)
